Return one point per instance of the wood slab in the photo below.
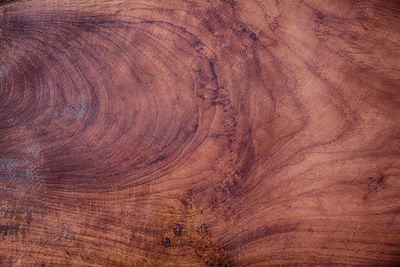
(200, 133)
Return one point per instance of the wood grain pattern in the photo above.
(200, 133)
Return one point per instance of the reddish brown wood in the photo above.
(199, 133)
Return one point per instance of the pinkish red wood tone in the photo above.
(200, 133)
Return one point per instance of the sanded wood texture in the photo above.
(200, 133)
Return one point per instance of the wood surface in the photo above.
(200, 133)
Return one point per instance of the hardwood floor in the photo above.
(200, 133)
